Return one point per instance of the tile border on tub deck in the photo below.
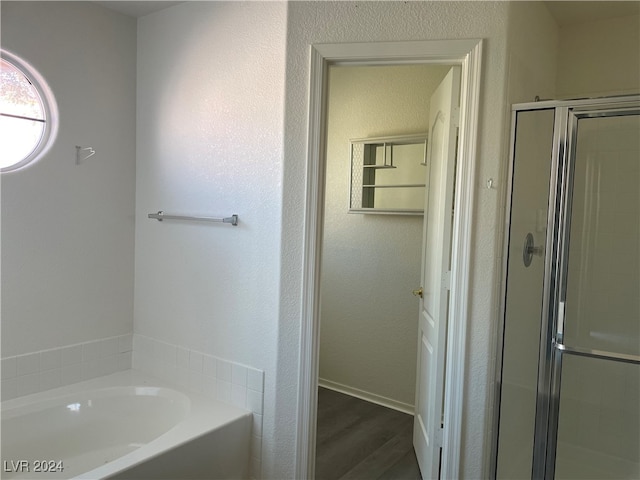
(56, 367)
(214, 377)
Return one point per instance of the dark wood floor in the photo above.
(362, 440)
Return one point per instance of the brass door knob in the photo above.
(418, 292)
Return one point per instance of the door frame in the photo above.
(468, 54)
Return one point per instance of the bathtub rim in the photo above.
(40, 404)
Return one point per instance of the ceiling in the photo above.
(136, 9)
(564, 12)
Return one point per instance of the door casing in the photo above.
(466, 53)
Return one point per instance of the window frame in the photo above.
(49, 106)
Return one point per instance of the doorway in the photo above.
(371, 261)
(569, 387)
(465, 53)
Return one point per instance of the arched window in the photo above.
(28, 114)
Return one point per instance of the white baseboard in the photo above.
(368, 396)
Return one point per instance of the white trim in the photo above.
(461, 262)
(309, 331)
(368, 396)
(466, 53)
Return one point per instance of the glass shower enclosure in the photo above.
(569, 373)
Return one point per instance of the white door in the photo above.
(436, 255)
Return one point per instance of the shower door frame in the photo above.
(552, 347)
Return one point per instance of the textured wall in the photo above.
(599, 58)
(331, 22)
(210, 116)
(532, 52)
(369, 318)
(67, 229)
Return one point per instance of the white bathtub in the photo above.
(123, 426)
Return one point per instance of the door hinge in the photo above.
(439, 437)
(446, 280)
(455, 116)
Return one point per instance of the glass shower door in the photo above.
(523, 309)
(568, 396)
(598, 323)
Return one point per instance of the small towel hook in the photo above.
(81, 156)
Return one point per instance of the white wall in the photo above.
(599, 58)
(67, 229)
(210, 129)
(532, 52)
(329, 22)
(371, 263)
